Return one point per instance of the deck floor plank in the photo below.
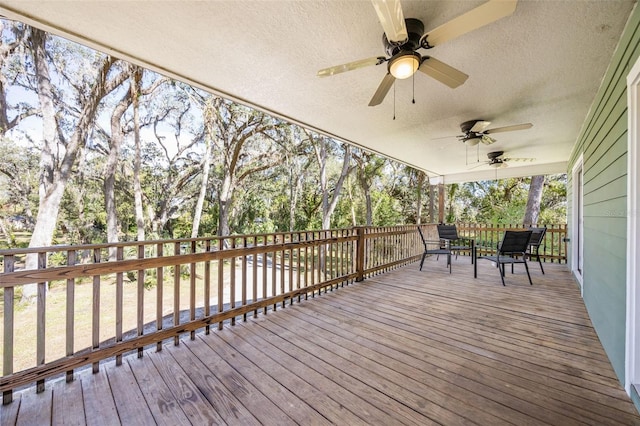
(97, 396)
(401, 413)
(9, 412)
(256, 402)
(333, 410)
(406, 347)
(358, 402)
(186, 393)
(459, 363)
(285, 399)
(472, 378)
(223, 400)
(130, 403)
(66, 409)
(35, 408)
(162, 404)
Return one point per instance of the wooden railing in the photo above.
(552, 249)
(100, 301)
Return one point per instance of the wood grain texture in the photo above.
(407, 347)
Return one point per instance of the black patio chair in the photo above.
(537, 235)
(512, 249)
(456, 243)
(435, 247)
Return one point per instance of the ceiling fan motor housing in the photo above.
(415, 30)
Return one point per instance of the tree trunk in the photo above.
(420, 186)
(55, 174)
(224, 198)
(137, 187)
(533, 201)
(206, 166)
(329, 206)
(115, 145)
(441, 203)
(432, 196)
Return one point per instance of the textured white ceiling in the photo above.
(543, 65)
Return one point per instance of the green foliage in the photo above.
(504, 201)
(261, 169)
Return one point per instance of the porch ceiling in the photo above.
(543, 65)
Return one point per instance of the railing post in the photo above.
(7, 354)
(360, 232)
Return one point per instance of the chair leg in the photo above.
(502, 274)
(527, 268)
(422, 261)
(540, 262)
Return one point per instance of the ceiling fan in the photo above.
(497, 161)
(403, 37)
(474, 131)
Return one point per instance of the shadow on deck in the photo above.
(404, 347)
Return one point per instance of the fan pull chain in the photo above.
(394, 101)
(413, 87)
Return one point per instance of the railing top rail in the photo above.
(123, 244)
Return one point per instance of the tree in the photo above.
(532, 210)
(60, 148)
(245, 144)
(329, 194)
(369, 167)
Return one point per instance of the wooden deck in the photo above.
(405, 347)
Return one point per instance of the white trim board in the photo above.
(632, 341)
(577, 246)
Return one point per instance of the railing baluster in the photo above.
(282, 252)
(41, 319)
(291, 287)
(312, 271)
(244, 277)
(140, 299)
(207, 286)
(95, 329)
(273, 273)
(7, 354)
(254, 274)
(298, 250)
(176, 291)
(232, 281)
(220, 281)
(70, 317)
(119, 301)
(192, 290)
(159, 292)
(264, 273)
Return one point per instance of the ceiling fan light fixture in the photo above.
(472, 141)
(496, 164)
(404, 64)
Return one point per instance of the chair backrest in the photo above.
(447, 232)
(424, 243)
(515, 242)
(537, 234)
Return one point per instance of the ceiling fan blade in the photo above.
(487, 140)
(326, 72)
(482, 15)
(392, 20)
(442, 72)
(383, 89)
(447, 137)
(525, 160)
(479, 126)
(509, 128)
